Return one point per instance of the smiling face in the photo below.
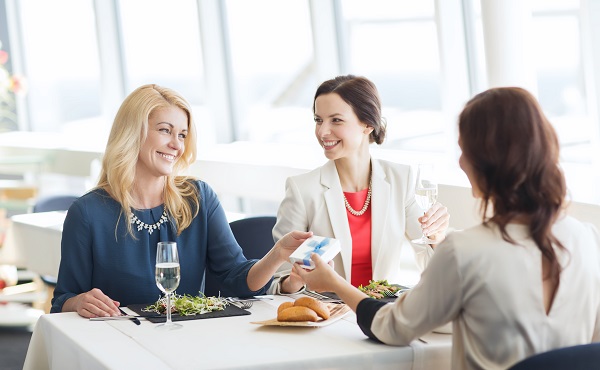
(338, 129)
(164, 144)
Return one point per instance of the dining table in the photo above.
(69, 341)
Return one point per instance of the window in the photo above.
(161, 44)
(272, 66)
(395, 45)
(61, 62)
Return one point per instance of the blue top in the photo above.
(98, 252)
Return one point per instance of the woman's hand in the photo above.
(323, 278)
(92, 304)
(265, 268)
(294, 282)
(435, 222)
(290, 242)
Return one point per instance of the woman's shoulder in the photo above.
(202, 189)
(96, 204)
(94, 197)
(569, 227)
(474, 239)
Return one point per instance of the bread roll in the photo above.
(319, 307)
(283, 306)
(297, 313)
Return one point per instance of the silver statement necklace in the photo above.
(155, 226)
(365, 206)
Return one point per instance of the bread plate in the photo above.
(337, 311)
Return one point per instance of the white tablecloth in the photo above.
(67, 341)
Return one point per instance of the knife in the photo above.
(135, 319)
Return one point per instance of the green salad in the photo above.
(379, 289)
(186, 305)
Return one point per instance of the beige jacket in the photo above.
(314, 202)
(492, 291)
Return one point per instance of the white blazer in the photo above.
(314, 202)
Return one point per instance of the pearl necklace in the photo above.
(365, 206)
(142, 225)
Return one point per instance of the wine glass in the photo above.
(167, 275)
(426, 192)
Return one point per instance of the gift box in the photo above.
(327, 248)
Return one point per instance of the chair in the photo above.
(255, 236)
(54, 203)
(580, 357)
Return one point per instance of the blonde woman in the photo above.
(110, 234)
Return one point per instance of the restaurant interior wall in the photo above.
(249, 83)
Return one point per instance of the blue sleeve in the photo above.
(365, 312)
(225, 257)
(76, 260)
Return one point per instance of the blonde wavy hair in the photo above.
(128, 133)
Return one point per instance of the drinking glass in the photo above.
(167, 275)
(426, 192)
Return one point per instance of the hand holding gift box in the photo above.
(327, 248)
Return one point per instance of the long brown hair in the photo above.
(362, 95)
(514, 152)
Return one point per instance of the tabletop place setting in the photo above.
(245, 323)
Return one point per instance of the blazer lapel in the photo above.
(337, 213)
(380, 201)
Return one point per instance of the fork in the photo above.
(240, 303)
(321, 297)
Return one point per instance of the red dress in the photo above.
(360, 229)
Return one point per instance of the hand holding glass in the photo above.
(167, 275)
(426, 191)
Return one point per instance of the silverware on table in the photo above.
(124, 317)
(134, 319)
(241, 303)
(321, 297)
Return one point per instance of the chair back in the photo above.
(255, 236)
(580, 357)
(54, 203)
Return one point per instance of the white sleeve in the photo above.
(434, 301)
(290, 216)
(292, 212)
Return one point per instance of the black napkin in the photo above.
(230, 310)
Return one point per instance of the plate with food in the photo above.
(381, 289)
(306, 312)
(187, 307)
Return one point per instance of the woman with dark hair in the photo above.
(368, 204)
(526, 280)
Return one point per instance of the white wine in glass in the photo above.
(426, 192)
(167, 274)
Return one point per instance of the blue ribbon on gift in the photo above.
(316, 246)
